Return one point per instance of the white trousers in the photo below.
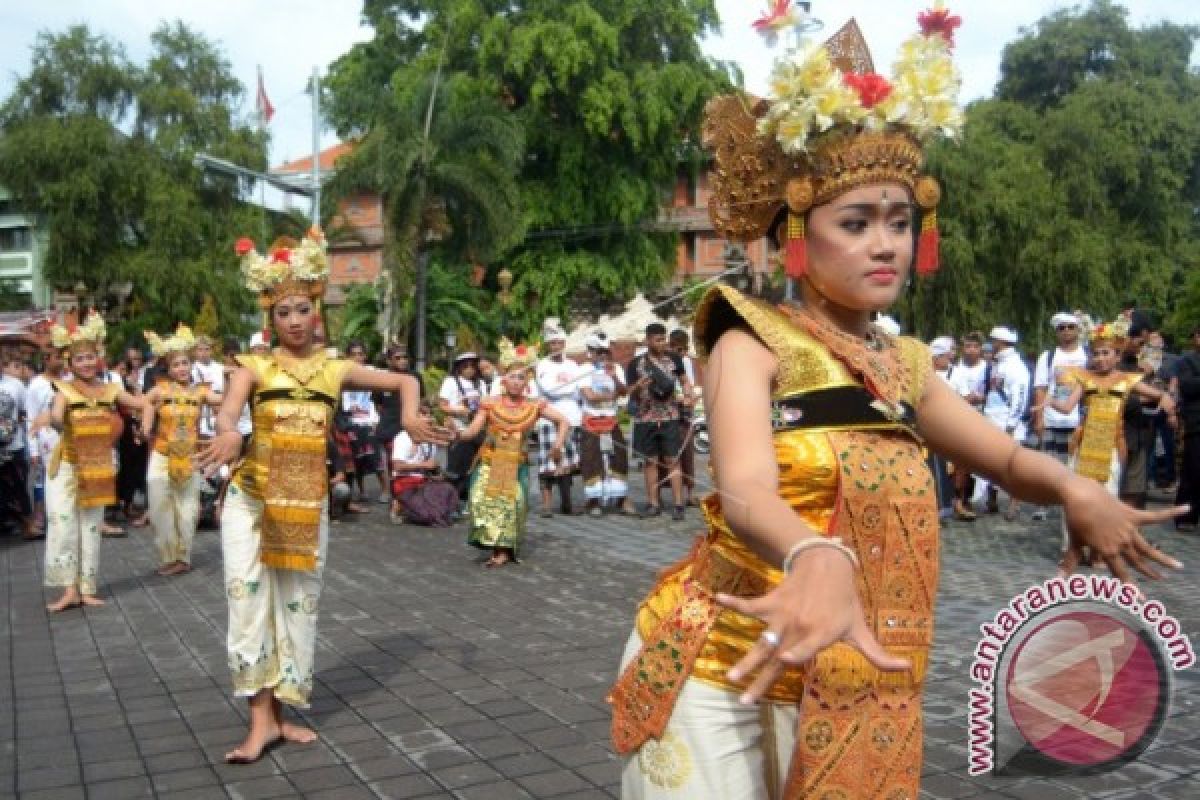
(272, 612)
(174, 510)
(72, 534)
(714, 748)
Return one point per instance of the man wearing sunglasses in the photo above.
(1054, 429)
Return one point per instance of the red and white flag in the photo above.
(262, 103)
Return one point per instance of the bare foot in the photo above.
(92, 600)
(181, 567)
(166, 569)
(299, 734)
(69, 600)
(256, 742)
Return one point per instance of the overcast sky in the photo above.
(288, 37)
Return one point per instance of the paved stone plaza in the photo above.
(436, 678)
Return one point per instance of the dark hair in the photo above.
(1196, 329)
(1139, 323)
(656, 329)
(680, 335)
(975, 337)
(355, 344)
(231, 346)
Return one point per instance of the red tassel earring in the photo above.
(928, 244)
(927, 193)
(795, 263)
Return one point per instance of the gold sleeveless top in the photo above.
(292, 409)
(504, 445)
(809, 470)
(178, 428)
(87, 443)
(1103, 427)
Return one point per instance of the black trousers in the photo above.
(1189, 479)
(460, 458)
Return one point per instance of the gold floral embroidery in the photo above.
(666, 762)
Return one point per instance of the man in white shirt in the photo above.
(209, 373)
(941, 351)
(459, 398)
(558, 380)
(680, 344)
(39, 396)
(969, 378)
(16, 507)
(1053, 428)
(603, 453)
(1006, 397)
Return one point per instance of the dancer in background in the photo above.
(81, 477)
(177, 405)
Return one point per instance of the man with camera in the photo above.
(659, 386)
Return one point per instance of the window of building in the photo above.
(15, 240)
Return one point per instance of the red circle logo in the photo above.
(1086, 689)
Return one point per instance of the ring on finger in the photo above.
(771, 638)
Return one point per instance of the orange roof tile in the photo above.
(328, 160)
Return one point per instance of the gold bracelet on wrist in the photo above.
(799, 547)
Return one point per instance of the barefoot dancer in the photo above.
(274, 526)
(173, 485)
(81, 476)
(499, 499)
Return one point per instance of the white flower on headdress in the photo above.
(780, 16)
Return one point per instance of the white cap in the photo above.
(257, 340)
(1063, 318)
(552, 331)
(598, 341)
(467, 356)
(941, 346)
(1002, 333)
(888, 325)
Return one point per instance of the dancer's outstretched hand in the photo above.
(815, 606)
(1112, 532)
(220, 450)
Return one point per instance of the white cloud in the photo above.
(289, 37)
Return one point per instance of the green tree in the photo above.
(445, 169)
(609, 94)
(103, 148)
(1077, 185)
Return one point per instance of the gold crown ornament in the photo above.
(514, 356)
(289, 268)
(1113, 334)
(182, 341)
(88, 336)
(829, 124)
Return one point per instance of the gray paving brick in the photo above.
(121, 790)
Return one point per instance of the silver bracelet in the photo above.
(799, 547)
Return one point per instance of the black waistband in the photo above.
(295, 393)
(842, 407)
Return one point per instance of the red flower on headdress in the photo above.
(778, 16)
(281, 256)
(244, 245)
(872, 87)
(940, 21)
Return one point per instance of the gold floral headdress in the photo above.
(182, 341)
(830, 123)
(511, 356)
(1113, 334)
(89, 335)
(289, 268)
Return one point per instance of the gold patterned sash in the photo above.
(294, 493)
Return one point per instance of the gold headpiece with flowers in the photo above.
(1112, 334)
(88, 335)
(512, 356)
(289, 268)
(182, 341)
(830, 124)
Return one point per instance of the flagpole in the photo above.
(316, 143)
(262, 127)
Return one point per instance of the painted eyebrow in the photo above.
(866, 208)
